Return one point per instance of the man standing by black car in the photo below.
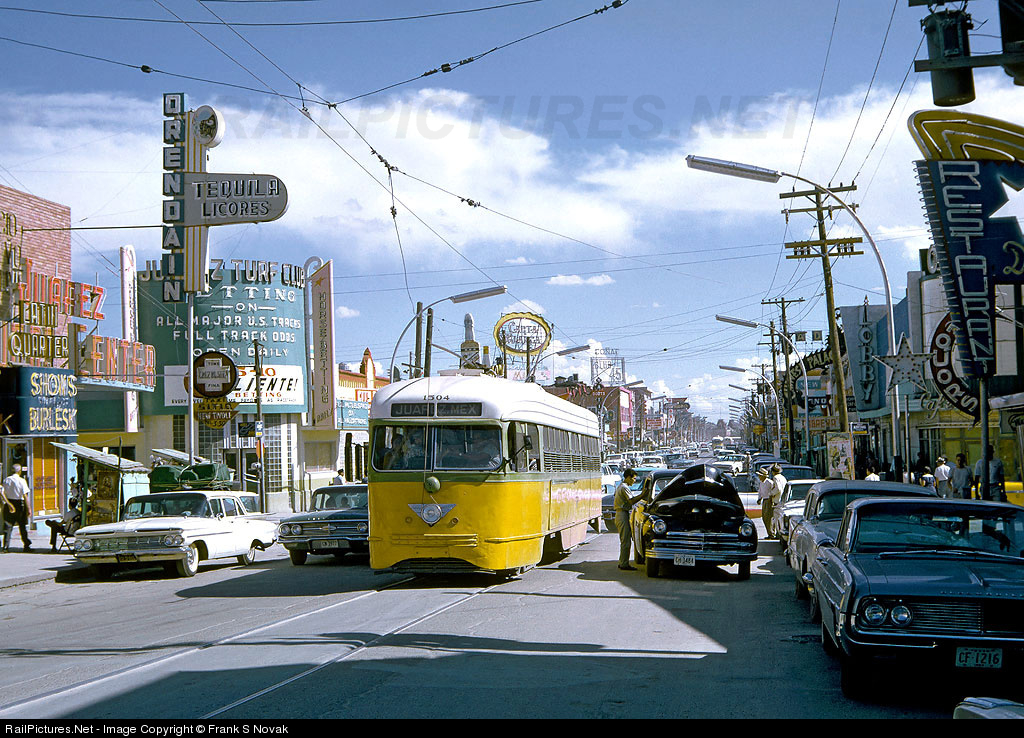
(623, 504)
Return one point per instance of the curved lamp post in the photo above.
(803, 369)
(778, 414)
(760, 174)
(461, 297)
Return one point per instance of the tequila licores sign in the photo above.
(198, 199)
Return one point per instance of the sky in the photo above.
(550, 160)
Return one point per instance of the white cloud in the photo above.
(524, 306)
(346, 312)
(575, 280)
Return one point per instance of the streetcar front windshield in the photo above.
(476, 447)
(401, 448)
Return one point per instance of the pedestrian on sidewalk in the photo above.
(962, 478)
(996, 475)
(943, 477)
(623, 504)
(17, 508)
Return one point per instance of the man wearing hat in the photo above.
(943, 477)
(764, 495)
(623, 504)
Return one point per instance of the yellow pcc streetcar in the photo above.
(473, 473)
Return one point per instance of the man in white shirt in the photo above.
(943, 475)
(16, 505)
(872, 475)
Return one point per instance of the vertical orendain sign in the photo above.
(323, 385)
(197, 199)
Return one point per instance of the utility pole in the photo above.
(782, 303)
(822, 248)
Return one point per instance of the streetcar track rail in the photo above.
(65, 692)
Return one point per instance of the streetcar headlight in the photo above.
(874, 614)
(901, 616)
(659, 526)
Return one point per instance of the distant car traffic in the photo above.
(176, 529)
(337, 523)
(935, 583)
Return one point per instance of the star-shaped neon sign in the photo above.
(906, 366)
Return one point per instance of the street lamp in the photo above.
(605, 400)
(803, 368)
(778, 416)
(760, 174)
(459, 298)
(563, 352)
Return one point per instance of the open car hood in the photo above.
(703, 481)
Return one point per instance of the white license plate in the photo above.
(684, 560)
(327, 544)
(979, 658)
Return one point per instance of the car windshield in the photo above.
(162, 506)
(797, 472)
(908, 528)
(661, 482)
(339, 498)
(797, 491)
(831, 507)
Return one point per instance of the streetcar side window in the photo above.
(524, 447)
(401, 448)
(469, 447)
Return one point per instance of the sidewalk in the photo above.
(38, 565)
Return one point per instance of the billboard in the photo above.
(248, 301)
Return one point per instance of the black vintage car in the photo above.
(338, 523)
(823, 512)
(696, 519)
(934, 581)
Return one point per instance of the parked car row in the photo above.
(899, 577)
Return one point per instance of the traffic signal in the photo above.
(946, 33)
(1011, 25)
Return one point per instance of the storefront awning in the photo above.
(178, 457)
(98, 457)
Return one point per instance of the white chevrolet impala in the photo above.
(178, 529)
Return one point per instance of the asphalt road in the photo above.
(574, 638)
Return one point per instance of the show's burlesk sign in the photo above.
(972, 167)
(38, 402)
